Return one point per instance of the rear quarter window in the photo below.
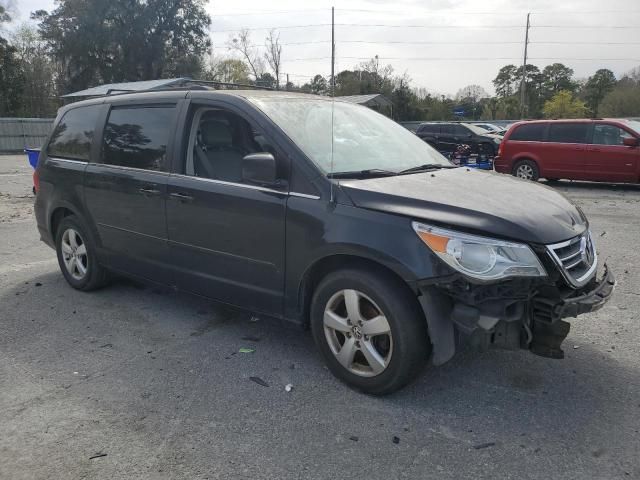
(73, 135)
(531, 132)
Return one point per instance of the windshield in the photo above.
(634, 125)
(477, 130)
(362, 138)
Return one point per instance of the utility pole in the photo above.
(287, 87)
(523, 82)
(333, 51)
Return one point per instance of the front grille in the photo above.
(576, 258)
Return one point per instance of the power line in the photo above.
(261, 13)
(494, 58)
(389, 25)
(593, 27)
(273, 28)
(456, 13)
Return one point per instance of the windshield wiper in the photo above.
(424, 167)
(369, 173)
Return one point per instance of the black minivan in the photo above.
(447, 136)
(320, 212)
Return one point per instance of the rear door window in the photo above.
(604, 134)
(531, 132)
(461, 130)
(73, 135)
(137, 137)
(447, 129)
(568, 132)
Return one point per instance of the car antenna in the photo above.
(333, 88)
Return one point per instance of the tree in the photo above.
(505, 82)
(266, 80)
(273, 55)
(564, 105)
(623, 100)
(472, 92)
(243, 45)
(318, 85)
(230, 70)
(11, 80)
(39, 95)
(123, 40)
(404, 100)
(557, 77)
(597, 87)
(4, 15)
(11, 74)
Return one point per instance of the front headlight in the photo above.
(480, 257)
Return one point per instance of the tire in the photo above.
(489, 149)
(401, 354)
(527, 170)
(77, 255)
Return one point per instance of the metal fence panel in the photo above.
(18, 133)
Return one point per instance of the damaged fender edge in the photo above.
(437, 309)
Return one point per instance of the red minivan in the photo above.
(601, 150)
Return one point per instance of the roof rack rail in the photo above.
(193, 85)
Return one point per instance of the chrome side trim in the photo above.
(68, 160)
(304, 195)
(231, 184)
(130, 169)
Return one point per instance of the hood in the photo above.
(483, 202)
(493, 135)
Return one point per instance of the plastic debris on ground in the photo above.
(246, 350)
(259, 381)
(288, 387)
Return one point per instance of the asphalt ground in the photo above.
(136, 382)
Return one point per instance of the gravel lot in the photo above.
(133, 382)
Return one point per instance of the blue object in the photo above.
(459, 112)
(33, 154)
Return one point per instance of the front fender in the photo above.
(317, 230)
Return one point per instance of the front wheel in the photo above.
(370, 330)
(527, 170)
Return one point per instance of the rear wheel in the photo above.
(370, 330)
(77, 255)
(527, 170)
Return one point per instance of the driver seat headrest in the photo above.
(215, 133)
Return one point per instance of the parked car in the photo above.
(489, 127)
(326, 214)
(446, 136)
(597, 150)
(411, 125)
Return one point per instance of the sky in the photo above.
(443, 45)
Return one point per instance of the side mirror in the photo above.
(259, 168)
(630, 141)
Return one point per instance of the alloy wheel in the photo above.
(525, 172)
(74, 254)
(358, 333)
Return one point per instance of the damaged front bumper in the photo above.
(548, 329)
(511, 314)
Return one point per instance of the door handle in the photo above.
(181, 197)
(148, 191)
